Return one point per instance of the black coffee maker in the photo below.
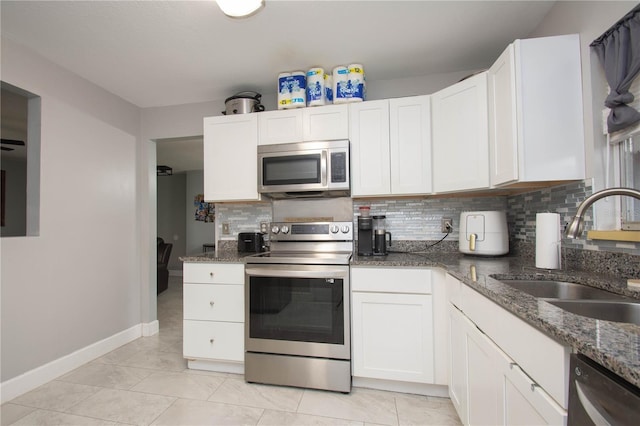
(380, 234)
(365, 233)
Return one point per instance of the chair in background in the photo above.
(164, 253)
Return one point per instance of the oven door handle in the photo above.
(288, 273)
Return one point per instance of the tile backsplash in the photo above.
(419, 219)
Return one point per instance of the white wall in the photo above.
(172, 219)
(590, 19)
(77, 282)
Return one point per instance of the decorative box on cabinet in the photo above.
(536, 130)
(213, 337)
(230, 146)
(393, 330)
(391, 147)
(328, 122)
(460, 136)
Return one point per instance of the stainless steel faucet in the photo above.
(575, 227)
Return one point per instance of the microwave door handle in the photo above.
(323, 168)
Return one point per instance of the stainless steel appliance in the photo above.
(243, 103)
(297, 307)
(305, 169)
(599, 397)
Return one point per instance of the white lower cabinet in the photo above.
(489, 387)
(213, 309)
(393, 322)
(393, 336)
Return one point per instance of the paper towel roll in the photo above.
(298, 89)
(356, 82)
(284, 92)
(315, 87)
(548, 241)
(328, 88)
(340, 85)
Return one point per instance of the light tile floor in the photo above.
(146, 382)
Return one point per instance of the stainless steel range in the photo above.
(297, 307)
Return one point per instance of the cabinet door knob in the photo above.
(534, 386)
(211, 274)
(211, 340)
(211, 303)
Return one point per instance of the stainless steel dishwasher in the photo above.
(599, 397)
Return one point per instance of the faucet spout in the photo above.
(575, 226)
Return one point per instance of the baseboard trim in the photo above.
(150, 328)
(404, 387)
(30, 380)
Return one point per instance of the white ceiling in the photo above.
(159, 53)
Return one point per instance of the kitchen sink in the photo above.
(561, 290)
(608, 310)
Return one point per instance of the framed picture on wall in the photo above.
(205, 212)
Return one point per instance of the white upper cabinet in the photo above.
(328, 122)
(410, 139)
(391, 147)
(283, 126)
(325, 123)
(536, 112)
(230, 158)
(370, 154)
(460, 132)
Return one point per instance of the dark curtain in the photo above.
(619, 53)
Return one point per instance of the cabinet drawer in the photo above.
(542, 358)
(454, 291)
(213, 273)
(214, 340)
(528, 403)
(214, 302)
(391, 280)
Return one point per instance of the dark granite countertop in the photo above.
(616, 346)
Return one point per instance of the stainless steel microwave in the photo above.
(304, 169)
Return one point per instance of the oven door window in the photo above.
(297, 309)
(292, 169)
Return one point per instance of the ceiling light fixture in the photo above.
(164, 171)
(240, 8)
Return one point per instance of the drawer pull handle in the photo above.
(211, 340)
(211, 274)
(211, 303)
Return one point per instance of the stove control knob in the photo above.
(285, 229)
(275, 229)
(334, 229)
(345, 229)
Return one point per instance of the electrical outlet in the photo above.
(225, 228)
(446, 225)
(264, 227)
